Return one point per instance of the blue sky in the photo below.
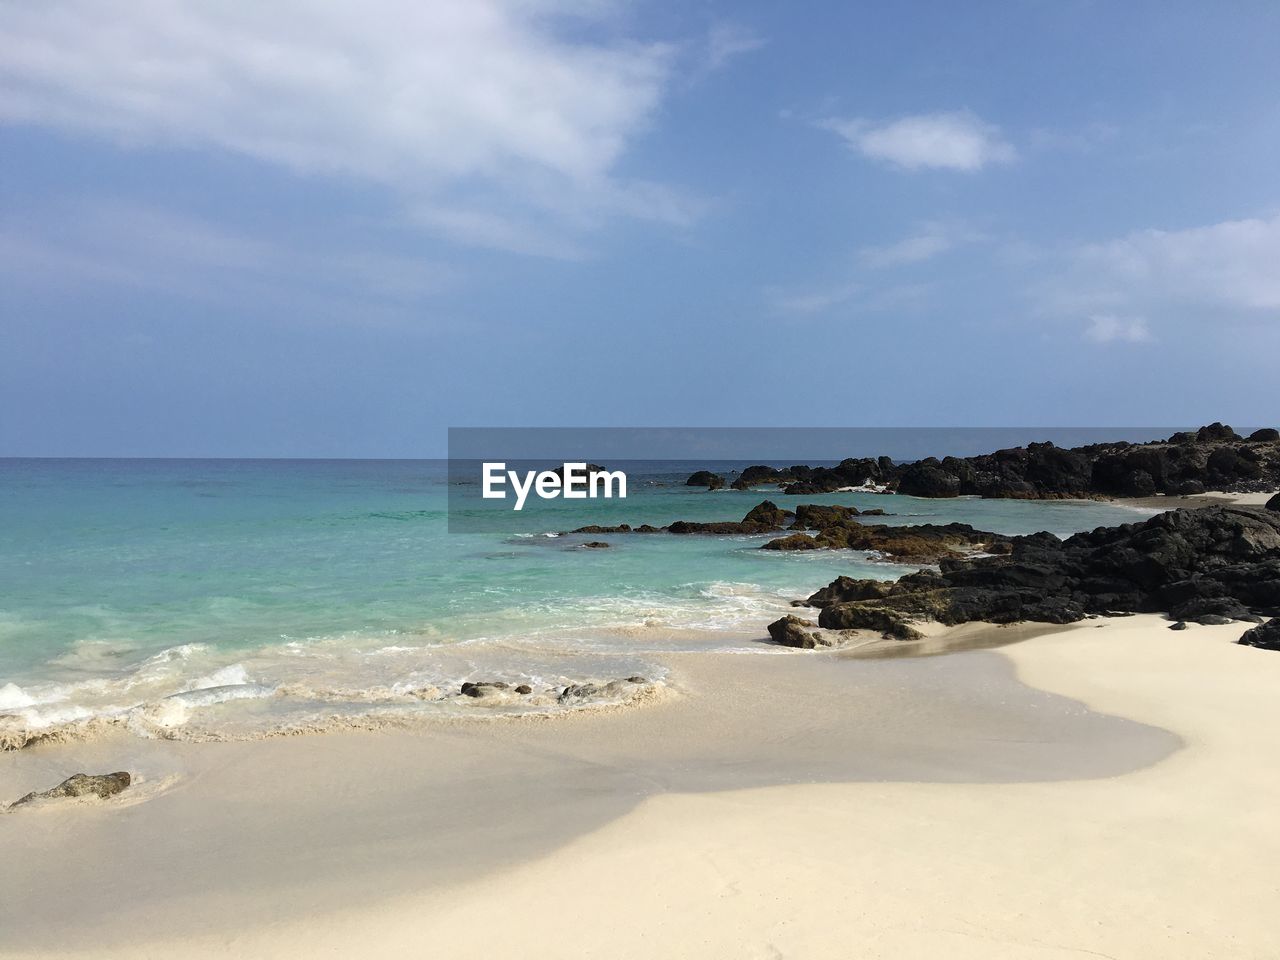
(336, 229)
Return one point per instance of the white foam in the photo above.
(37, 718)
(232, 675)
(207, 696)
(13, 696)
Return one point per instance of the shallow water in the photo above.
(226, 597)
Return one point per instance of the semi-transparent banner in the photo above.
(547, 480)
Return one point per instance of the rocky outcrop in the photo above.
(1209, 565)
(769, 513)
(928, 479)
(82, 785)
(848, 590)
(705, 478)
(794, 632)
(1266, 636)
(758, 474)
(1214, 457)
(1274, 503)
(813, 516)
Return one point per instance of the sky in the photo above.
(312, 228)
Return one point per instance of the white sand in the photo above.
(1239, 499)
(1178, 858)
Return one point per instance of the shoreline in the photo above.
(747, 767)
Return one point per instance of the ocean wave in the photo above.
(198, 690)
(290, 709)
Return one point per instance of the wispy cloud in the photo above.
(1105, 328)
(805, 302)
(145, 248)
(944, 141)
(727, 41)
(490, 104)
(931, 241)
(865, 289)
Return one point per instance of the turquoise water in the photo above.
(331, 586)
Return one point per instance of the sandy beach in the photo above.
(1092, 790)
(1168, 502)
(639, 481)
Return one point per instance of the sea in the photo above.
(223, 599)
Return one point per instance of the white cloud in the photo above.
(1163, 282)
(946, 141)
(1233, 265)
(1104, 328)
(489, 99)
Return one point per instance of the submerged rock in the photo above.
(614, 689)
(796, 541)
(922, 543)
(482, 688)
(82, 785)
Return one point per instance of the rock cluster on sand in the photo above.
(1211, 458)
(81, 785)
(578, 692)
(794, 632)
(485, 688)
(1210, 565)
(574, 692)
(1266, 636)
